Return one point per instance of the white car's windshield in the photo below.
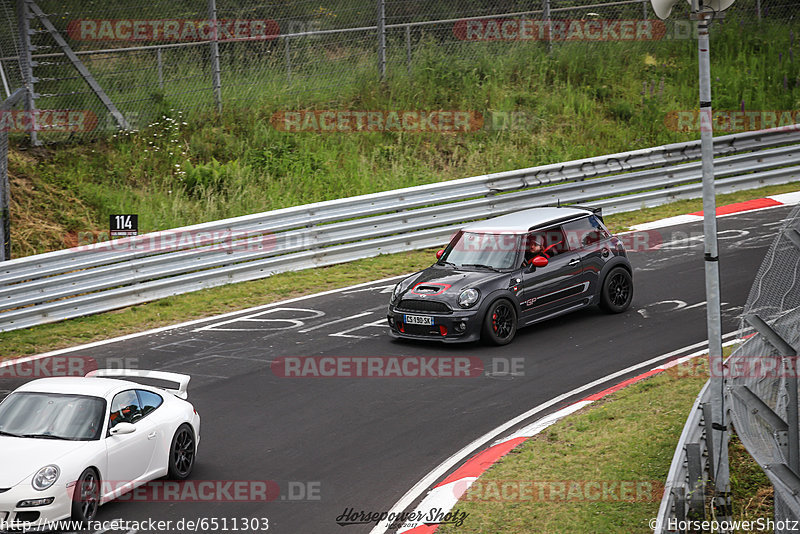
(52, 416)
(482, 250)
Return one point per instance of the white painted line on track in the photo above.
(14, 361)
(342, 320)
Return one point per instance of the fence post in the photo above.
(5, 80)
(408, 48)
(758, 9)
(382, 39)
(215, 71)
(548, 23)
(288, 60)
(26, 65)
(644, 9)
(5, 219)
(160, 68)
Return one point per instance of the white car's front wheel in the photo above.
(86, 498)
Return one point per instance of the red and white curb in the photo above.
(784, 199)
(445, 495)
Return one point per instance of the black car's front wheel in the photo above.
(617, 291)
(500, 323)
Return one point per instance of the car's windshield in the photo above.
(482, 250)
(52, 416)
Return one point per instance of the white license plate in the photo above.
(419, 319)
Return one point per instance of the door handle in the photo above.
(151, 435)
(576, 261)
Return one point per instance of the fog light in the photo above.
(391, 320)
(460, 327)
(443, 329)
(30, 503)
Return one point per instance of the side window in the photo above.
(125, 408)
(585, 232)
(149, 401)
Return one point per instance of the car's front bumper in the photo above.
(456, 327)
(35, 518)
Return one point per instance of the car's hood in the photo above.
(454, 280)
(22, 457)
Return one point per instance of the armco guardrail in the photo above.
(83, 280)
(690, 472)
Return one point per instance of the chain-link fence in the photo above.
(122, 63)
(762, 372)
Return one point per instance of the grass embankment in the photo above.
(628, 439)
(584, 99)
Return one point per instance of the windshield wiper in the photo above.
(484, 266)
(4, 433)
(443, 262)
(45, 436)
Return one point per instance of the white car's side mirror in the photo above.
(123, 428)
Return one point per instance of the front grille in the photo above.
(430, 306)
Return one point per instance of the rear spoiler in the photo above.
(181, 380)
(598, 212)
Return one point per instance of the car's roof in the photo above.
(97, 387)
(522, 221)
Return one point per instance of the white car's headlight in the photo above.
(468, 298)
(45, 477)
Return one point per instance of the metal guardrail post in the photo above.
(695, 481)
(215, 68)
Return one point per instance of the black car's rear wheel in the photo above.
(500, 323)
(86, 498)
(182, 453)
(617, 291)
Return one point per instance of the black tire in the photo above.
(500, 323)
(617, 291)
(86, 499)
(182, 453)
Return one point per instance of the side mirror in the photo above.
(539, 261)
(122, 429)
(439, 253)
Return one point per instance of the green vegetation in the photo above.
(583, 99)
(628, 437)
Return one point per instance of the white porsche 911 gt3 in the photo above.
(69, 445)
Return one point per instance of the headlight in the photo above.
(468, 298)
(45, 477)
(395, 293)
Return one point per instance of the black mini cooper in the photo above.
(504, 273)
